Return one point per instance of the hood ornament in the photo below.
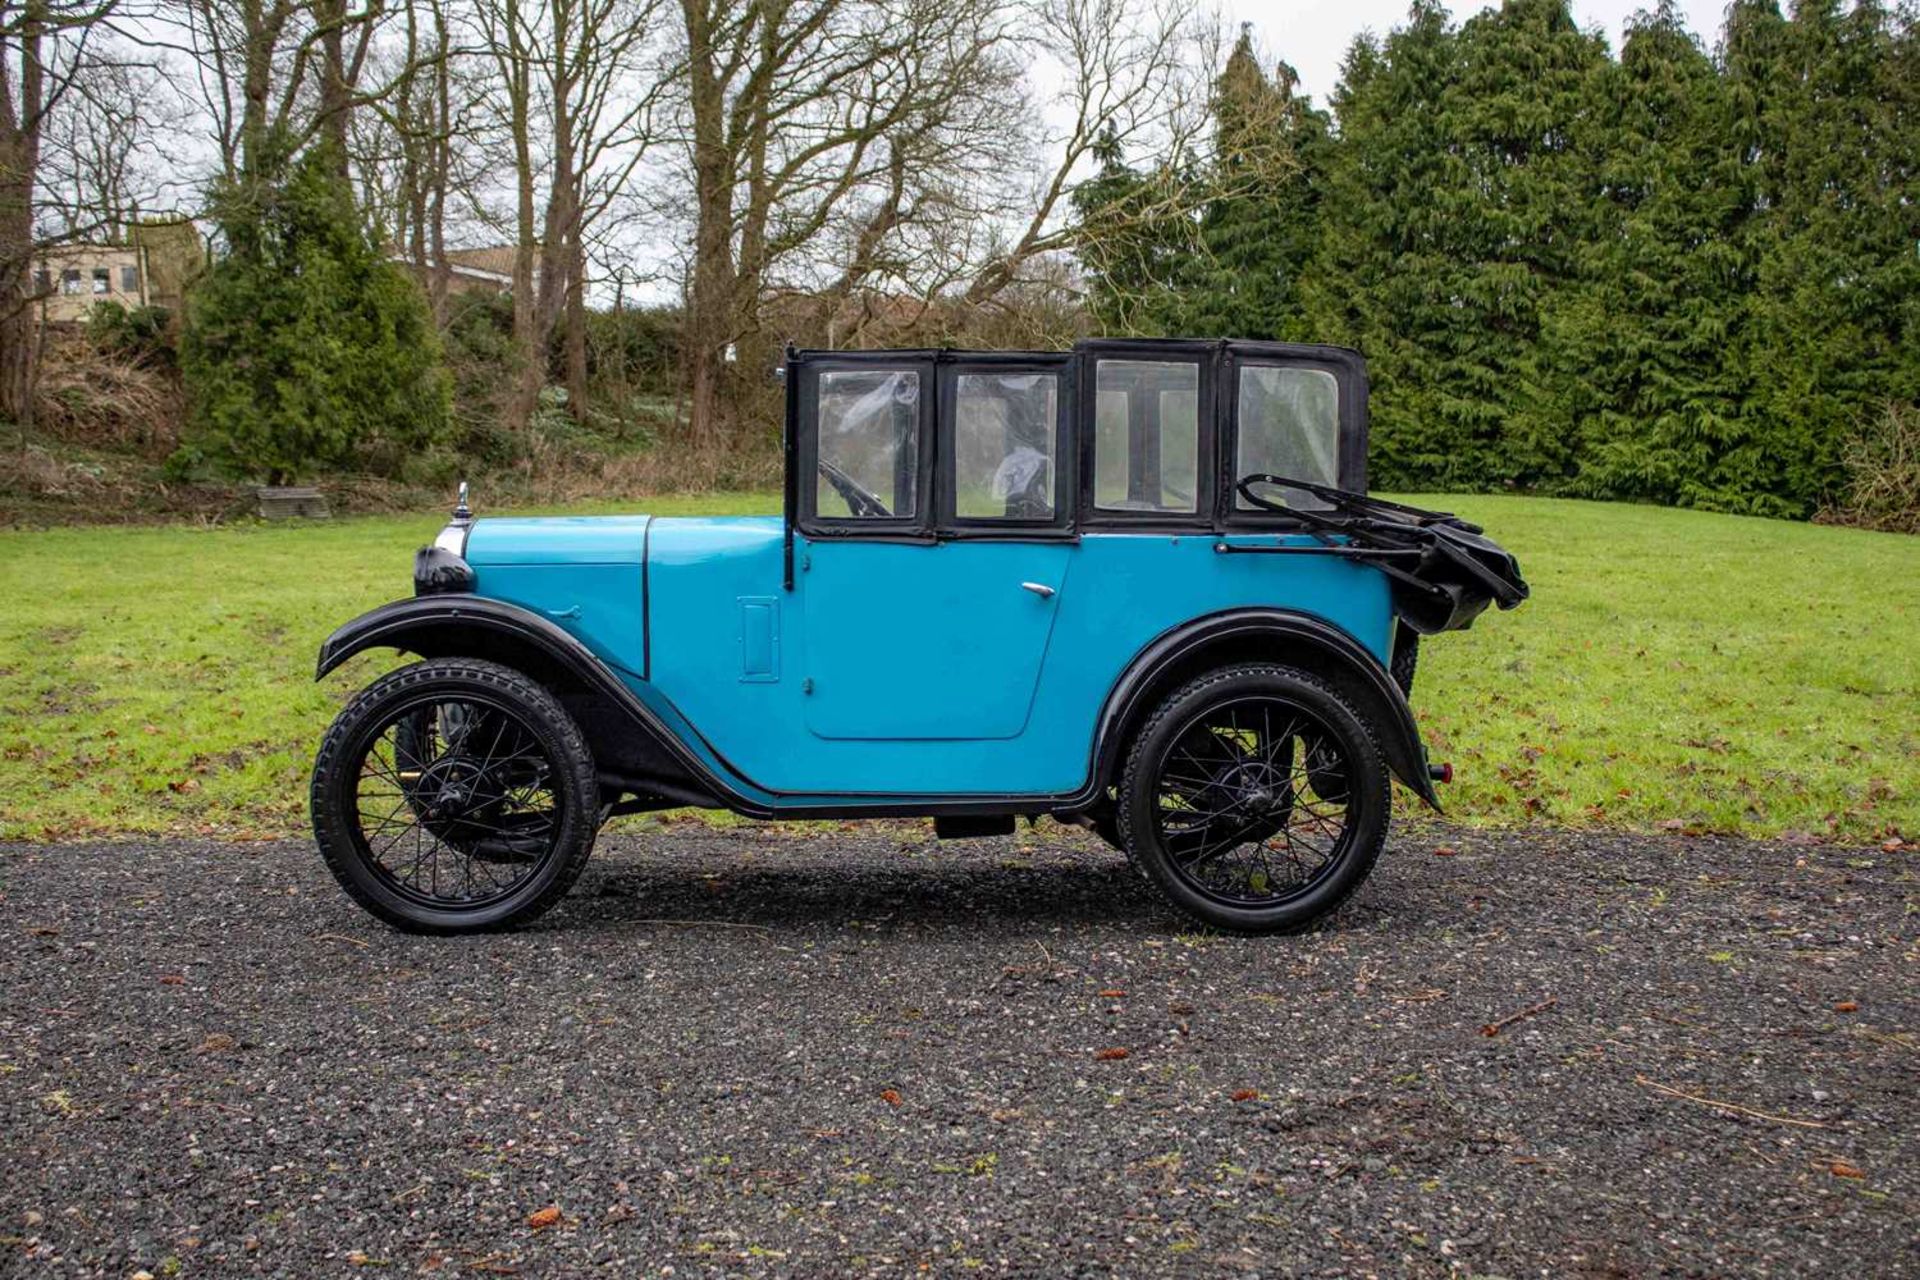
(461, 511)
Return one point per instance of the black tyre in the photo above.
(1406, 656)
(1256, 799)
(455, 795)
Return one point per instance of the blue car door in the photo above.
(935, 548)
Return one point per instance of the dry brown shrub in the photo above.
(1882, 464)
(88, 397)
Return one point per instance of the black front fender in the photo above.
(434, 627)
(634, 749)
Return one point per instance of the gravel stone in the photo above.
(840, 1050)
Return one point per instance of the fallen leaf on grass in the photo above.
(541, 1219)
(1245, 1095)
(172, 980)
(890, 1096)
(183, 786)
(1110, 1055)
(1445, 851)
(1112, 993)
(1847, 1006)
(1841, 1169)
(43, 931)
(217, 1042)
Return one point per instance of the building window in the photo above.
(129, 279)
(42, 281)
(70, 280)
(102, 280)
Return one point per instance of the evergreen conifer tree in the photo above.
(303, 347)
(1646, 379)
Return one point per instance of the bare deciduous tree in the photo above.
(574, 99)
(46, 47)
(1131, 72)
(810, 123)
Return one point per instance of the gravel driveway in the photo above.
(828, 1051)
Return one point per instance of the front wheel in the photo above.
(455, 795)
(1256, 799)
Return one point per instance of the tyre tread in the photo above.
(336, 846)
(1176, 703)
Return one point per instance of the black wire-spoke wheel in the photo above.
(455, 795)
(1256, 799)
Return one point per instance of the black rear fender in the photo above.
(1297, 640)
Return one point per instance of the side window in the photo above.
(129, 279)
(1289, 426)
(869, 444)
(1005, 426)
(1146, 445)
(102, 280)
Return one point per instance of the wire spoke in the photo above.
(1252, 800)
(455, 802)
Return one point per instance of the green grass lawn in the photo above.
(1673, 669)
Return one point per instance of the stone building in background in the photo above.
(150, 268)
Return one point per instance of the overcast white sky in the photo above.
(1313, 35)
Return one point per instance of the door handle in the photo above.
(1040, 589)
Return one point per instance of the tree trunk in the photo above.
(19, 163)
(576, 331)
(440, 166)
(335, 101)
(710, 293)
(526, 342)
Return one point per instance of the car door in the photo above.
(935, 543)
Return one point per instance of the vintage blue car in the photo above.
(1135, 586)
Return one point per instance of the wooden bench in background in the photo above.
(280, 502)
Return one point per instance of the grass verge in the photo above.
(1674, 668)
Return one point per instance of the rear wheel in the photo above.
(455, 795)
(1256, 799)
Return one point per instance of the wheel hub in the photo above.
(1257, 789)
(447, 787)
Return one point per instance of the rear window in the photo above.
(1147, 436)
(1289, 426)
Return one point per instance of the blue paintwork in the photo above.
(924, 669)
(583, 573)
